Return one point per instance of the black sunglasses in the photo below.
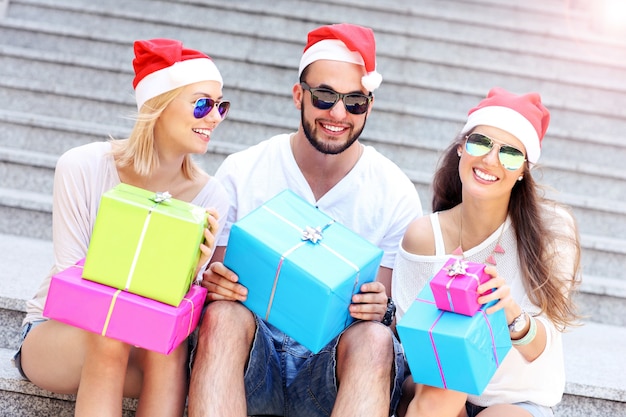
(325, 98)
(510, 157)
(204, 105)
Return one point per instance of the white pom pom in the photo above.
(371, 81)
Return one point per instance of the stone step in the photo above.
(454, 22)
(611, 99)
(100, 106)
(597, 216)
(603, 256)
(25, 262)
(594, 367)
(602, 300)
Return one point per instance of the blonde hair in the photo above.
(139, 150)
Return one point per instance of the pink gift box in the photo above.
(121, 315)
(454, 286)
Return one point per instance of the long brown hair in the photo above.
(536, 241)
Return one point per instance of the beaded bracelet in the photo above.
(530, 336)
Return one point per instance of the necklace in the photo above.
(491, 259)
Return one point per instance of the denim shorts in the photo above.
(284, 378)
(17, 358)
(534, 409)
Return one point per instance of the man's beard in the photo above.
(327, 148)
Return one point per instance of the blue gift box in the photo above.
(301, 268)
(450, 350)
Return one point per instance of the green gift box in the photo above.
(145, 243)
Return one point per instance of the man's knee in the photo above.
(226, 317)
(368, 331)
(372, 339)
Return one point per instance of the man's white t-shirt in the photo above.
(375, 199)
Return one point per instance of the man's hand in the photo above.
(222, 284)
(370, 303)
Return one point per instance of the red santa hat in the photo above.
(347, 43)
(161, 65)
(523, 116)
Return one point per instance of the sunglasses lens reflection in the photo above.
(511, 158)
(478, 145)
(324, 99)
(205, 105)
(356, 104)
(223, 108)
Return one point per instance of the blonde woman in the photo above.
(179, 98)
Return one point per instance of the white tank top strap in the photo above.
(440, 248)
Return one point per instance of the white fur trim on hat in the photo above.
(177, 75)
(336, 50)
(331, 49)
(510, 121)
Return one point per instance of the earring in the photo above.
(521, 177)
(458, 153)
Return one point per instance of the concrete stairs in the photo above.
(65, 80)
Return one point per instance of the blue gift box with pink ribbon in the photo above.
(301, 268)
(450, 350)
(455, 286)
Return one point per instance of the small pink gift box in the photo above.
(454, 286)
(118, 314)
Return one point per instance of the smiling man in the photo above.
(243, 365)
